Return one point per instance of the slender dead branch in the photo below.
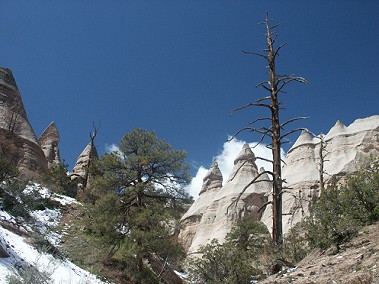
(279, 48)
(255, 180)
(293, 119)
(263, 131)
(260, 119)
(264, 206)
(263, 85)
(255, 53)
(263, 99)
(251, 104)
(292, 131)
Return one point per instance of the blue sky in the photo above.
(176, 67)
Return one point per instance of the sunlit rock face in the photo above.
(213, 179)
(215, 211)
(17, 137)
(81, 167)
(212, 183)
(347, 148)
(49, 141)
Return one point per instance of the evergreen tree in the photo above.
(57, 179)
(238, 260)
(137, 191)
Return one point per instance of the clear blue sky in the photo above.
(176, 67)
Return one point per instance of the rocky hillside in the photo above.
(357, 262)
(211, 216)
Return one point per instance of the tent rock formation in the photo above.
(211, 215)
(49, 141)
(80, 169)
(347, 147)
(17, 138)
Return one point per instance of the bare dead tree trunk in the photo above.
(322, 153)
(277, 230)
(322, 161)
(274, 86)
(92, 136)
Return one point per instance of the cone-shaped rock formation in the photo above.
(17, 138)
(82, 163)
(213, 179)
(49, 141)
(212, 215)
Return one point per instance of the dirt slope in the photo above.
(357, 262)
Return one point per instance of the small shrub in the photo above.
(57, 179)
(238, 260)
(29, 275)
(295, 245)
(342, 210)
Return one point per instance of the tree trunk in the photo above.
(277, 233)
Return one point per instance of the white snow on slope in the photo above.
(23, 254)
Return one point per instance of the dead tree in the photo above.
(322, 156)
(92, 136)
(274, 86)
(322, 153)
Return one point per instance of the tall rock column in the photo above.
(212, 184)
(49, 141)
(18, 140)
(81, 167)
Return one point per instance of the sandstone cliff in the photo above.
(17, 138)
(347, 147)
(49, 141)
(80, 169)
(211, 216)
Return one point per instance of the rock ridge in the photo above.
(212, 216)
(49, 141)
(18, 140)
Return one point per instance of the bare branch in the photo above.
(274, 39)
(263, 131)
(263, 99)
(259, 119)
(262, 84)
(293, 119)
(255, 53)
(292, 131)
(237, 171)
(284, 80)
(249, 105)
(264, 206)
(93, 133)
(255, 180)
(263, 137)
(279, 48)
(264, 159)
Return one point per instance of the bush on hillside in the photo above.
(238, 260)
(57, 180)
(342, 210)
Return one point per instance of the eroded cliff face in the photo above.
(49, 141)
(347, 148)
(211, 216)
(17, 138)
(80, 169)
